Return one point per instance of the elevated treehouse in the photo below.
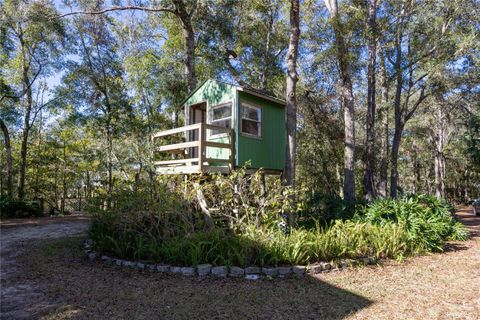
(227, 126)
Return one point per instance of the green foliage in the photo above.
(16, 208)
(263, 247)
(323, 208)
(242, 200)
(427, 220)
(166, 227)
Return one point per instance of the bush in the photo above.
(427, 220)
(167, 226)
(324, 209)
(16, 208)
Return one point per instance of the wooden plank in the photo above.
(221, 129)
(201, 149)
(177, 161)
(224, 169)
(177, 146)
(216, 160)
(217, 145)
(178, 170)
(176, 130)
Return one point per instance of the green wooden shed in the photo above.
(226, 126)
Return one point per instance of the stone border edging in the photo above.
(250, 273)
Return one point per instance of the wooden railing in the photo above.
(200, 163)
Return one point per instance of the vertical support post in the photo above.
(231, 159)
(201, 146)
(263, 193)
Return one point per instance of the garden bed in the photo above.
(250, 273)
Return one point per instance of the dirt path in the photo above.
(24, 298)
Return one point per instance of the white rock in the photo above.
(204, 269)
(188, 271)
(299, 270)
(163, 268)
(220, 271)
(236, 272)
(252, 276)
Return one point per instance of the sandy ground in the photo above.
(45, 274)
(22, 298)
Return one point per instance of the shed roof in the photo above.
(249, 90)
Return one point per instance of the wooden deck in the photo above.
(184, 162)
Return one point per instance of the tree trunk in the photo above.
(25, 132)
(384, 145)
(416, 171)
(346, 93)
(27, 103)
(394, 161)
(349, 161)
(189, 46)
(8, 153)
(398, 113)
(368, 179)
(439, 139)
(291, 95)
(110, 165)
(64, 180)
(266, 62)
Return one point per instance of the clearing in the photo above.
(44, 273)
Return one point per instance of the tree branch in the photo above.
(422, 97)
(117, 8)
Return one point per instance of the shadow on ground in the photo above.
(92, 290)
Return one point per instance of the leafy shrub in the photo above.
(427, 220)
(324, 209)
(167, 226)
(16, 208)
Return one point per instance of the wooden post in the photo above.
(231, 163)
(201, 146)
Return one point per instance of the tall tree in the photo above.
(370, 154)
(34, 38)
(291, 94)
(99, 73)
(184, 10)
(384, 146)
(421, 44)
(346, 93)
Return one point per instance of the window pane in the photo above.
(251, 113)
(220, 123)
(219, 112)
(251, 127)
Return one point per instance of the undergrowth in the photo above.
(165, 228)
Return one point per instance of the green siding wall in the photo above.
(213, 92)
(269, 151)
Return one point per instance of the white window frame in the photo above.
(260, 122)
(210, 120)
